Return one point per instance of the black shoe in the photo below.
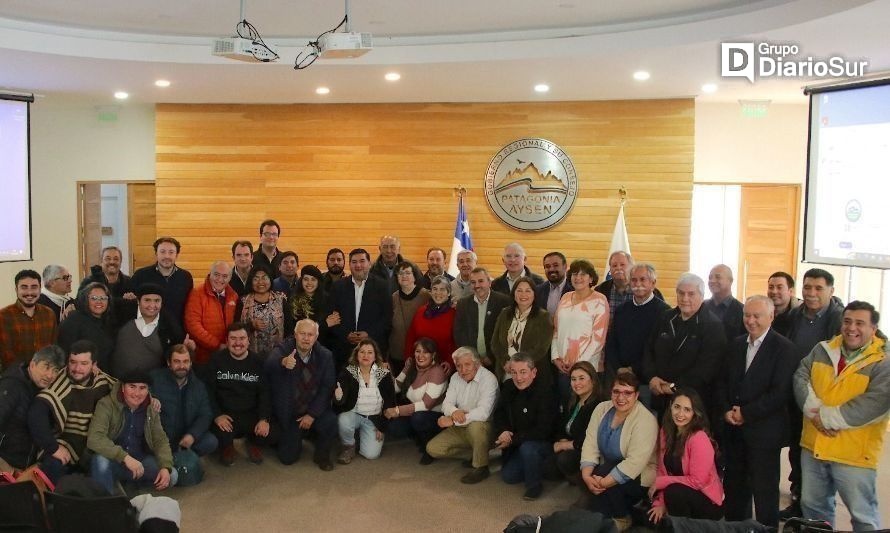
(324, 464)
(475, 475)
(426, 459)
(467, 463)
(533, 493)
(792, 511)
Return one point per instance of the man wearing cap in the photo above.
(143, 341)
(127, 438)
(60, 415)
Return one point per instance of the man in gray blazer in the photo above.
(476, 314)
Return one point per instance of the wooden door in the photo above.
(142, 224)
(768, 235)
(89, 213)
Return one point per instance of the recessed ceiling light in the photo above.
(322, 90)
(121, 95)
(709, 88)
(162, 83)
(393, 76)
(641, 75)
(542, 88)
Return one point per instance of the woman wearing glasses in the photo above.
(92, 320)
(405, 302)
(263, 309)
(616, 459)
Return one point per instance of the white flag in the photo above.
(620, 242)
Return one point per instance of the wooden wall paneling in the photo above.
(768, 235)
(343, 175)
(89, 213)
(142, 223)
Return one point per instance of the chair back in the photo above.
(21, 508)
(70, 514)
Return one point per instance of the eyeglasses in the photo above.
(66, 277)
(269, 235)
(406, 274)
(98, 298)
(623, 393)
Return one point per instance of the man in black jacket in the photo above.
(686, 347)
(817, 319)
(301, 374)
(514, 261)
(18, 387)
(185, 412)
(108, 272)
(523, 423)
(175, 282)
(362, 308)
(753, 398)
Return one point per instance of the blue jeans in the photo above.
(350, 422)
(207, 444)
(526, 463)
(856, 485)
(107, 472)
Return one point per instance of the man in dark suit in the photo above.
(514, 261)
(362, 308)
(548, 294)
(467, 317)
(753, 399)
(722, 303)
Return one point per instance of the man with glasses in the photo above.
(210, 310)
(25, 325)
(267, 253)
(54, 294)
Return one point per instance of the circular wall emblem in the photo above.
(853, 210)
(531, 184)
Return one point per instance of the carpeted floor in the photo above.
(390, 494)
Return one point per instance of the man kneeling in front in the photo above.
(467, 410)
(127, 438)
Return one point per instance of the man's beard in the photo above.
(335, 269)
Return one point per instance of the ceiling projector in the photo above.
(244, 50)
(344, 45)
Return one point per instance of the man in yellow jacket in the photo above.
(843, 388)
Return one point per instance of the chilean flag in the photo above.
(462, 239)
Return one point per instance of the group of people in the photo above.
(601, 384)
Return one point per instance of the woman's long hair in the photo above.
(429, 345)
(533, 312)
(378, 357)
(674, 439)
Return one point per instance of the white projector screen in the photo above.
(15, 215)
(848, 177)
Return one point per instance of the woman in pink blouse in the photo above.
(580, 326)
(686, 481)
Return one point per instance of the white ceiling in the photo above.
(455, 50)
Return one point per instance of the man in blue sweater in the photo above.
(633, 325)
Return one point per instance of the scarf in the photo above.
(411, 295)
(72, 407)
(517, 327)
(433, 309)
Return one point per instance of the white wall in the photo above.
(730, 148)
(69, 144)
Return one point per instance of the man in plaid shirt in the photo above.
(25, 326)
